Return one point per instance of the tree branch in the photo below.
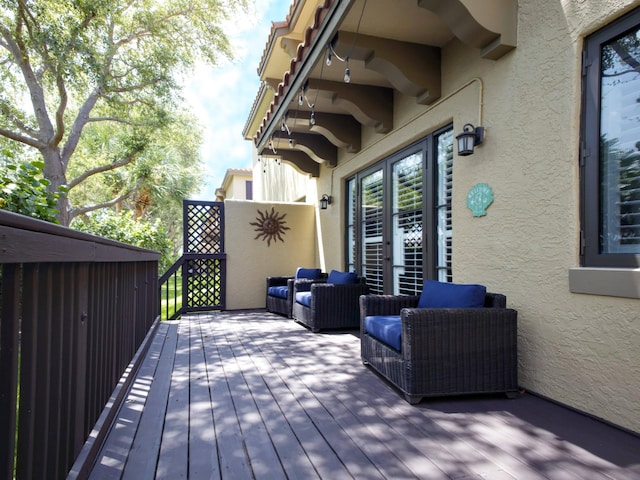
(104, 168)
(112, 119)
(62, 92)
(12, 117)
(78, 124)
(625, 56)
(136, 87)
(32, 142)
(18, 50)
(90, 208)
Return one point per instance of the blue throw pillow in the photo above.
(342, 278)
(308, 273)
(451, 295)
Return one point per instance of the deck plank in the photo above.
(339, 429)
(254, 395)
(263, 457)
(231, 451)
(174, 449)
(316, 431)
(203, 448)
(267, 393)
(118, 444)
(143, 457)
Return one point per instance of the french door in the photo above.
(399, 218)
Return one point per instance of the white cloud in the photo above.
(222, 97)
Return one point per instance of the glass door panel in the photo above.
(407, 181)
(444, 149)
(371, 222)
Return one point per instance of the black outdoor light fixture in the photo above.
(469, 138)
(325, 201)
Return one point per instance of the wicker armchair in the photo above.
(279, 292)
(444, 351)
(330, 305)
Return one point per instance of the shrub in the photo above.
(122, 227)
(23, 190)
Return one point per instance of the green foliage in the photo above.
(122, 227)
(157, 180)
(24, 190)
(67, 66)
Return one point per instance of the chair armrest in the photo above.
(386, 304)
(277, 281)
(495, 300)
(429, 334)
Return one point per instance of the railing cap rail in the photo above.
(26, 239)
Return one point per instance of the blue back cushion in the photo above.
(308, 273)
(451, 295)
(386, 328)
(342, 278)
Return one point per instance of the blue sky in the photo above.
(222, 97)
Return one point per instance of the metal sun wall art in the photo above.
(479, 198)
(270, 226)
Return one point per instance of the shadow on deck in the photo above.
(254, 395)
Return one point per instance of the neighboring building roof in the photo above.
(232, 172)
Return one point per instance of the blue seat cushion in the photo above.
(308, 273)
(386, 328)
(342, 278)
(279, 291)
(304, 298)
(451, 295)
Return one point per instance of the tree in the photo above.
(162, 176)
(68, 65)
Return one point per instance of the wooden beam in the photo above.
(316, 146)
(298, 159)
(491, 25)
(411, 68)
(371, 106)
(343, 131)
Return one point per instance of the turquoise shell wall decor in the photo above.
(479, 198)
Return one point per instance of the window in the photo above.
(398, 219)
(610, 153)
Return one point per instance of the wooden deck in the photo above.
(244, 395)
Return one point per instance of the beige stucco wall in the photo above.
(237, 188)
(582, 350)
(251, 260)
(274, 180)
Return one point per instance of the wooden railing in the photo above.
(74, 310)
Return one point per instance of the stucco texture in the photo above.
(581, 350)
(251, 260)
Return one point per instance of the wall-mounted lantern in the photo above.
(469, 138)
(325, 201)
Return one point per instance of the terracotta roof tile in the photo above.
(275, 26)
(303, 49)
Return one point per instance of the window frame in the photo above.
(590, 161)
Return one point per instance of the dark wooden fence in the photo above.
(74, 310)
